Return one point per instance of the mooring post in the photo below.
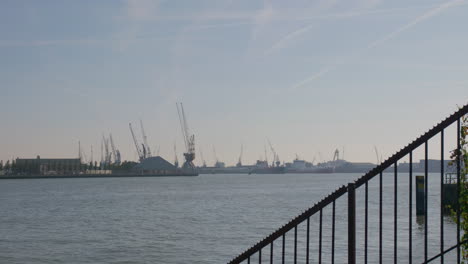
(351, 224)
(419, 195)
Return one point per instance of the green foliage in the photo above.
(464, 185)
(462, 154)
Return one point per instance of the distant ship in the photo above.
(262, 167)
(301, 166)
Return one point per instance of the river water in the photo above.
(204, 219)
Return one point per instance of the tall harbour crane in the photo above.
(107, 153)
(215, 156)
(379, 158)
(115, 151)
(82, 155)
(201, 156)
(276, 160)
(239, 163)
(145, 141)
(141, 154)
(189, 139)
(176, 160)
(336, 155)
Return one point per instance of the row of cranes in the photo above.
(109, 153)
(275, 162)
(144, 150)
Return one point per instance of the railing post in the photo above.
(351, 224)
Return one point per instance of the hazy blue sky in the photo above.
(309, 75)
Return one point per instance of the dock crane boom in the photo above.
(189, 139)
(145, 141)
(115, 151)
(201, 156)
(176, 160)
(239, 163)
(107, 157)
(137, 146)
(275, 155)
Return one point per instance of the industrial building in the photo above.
(48, 166)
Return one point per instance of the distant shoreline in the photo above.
(12, 177)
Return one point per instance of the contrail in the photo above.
(279, 44)
(416, 21)
(382, 40)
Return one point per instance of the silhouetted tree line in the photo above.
(58, 166)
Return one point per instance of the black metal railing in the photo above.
(268, 243)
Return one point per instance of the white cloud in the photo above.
(432, 12)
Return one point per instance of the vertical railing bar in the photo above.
(295, 244)
(410, 218)
(366, 221)
(426, 183)
(333, 234)
(442, 196)
(260, 256)
(307, 245)
(320, 238)
(458, 189)
(248, 260)
(395, 214)
(351, 224)
(284, 245)
(380, 218)
(271, 252)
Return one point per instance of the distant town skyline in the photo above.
(310, 76)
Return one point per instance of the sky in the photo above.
(310, 76)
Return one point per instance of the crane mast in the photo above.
(203, 160)
(176, 161)
(145, 141)
(115, 151)
(107, 157)
(189, 140)
(275, 155)
(239, 163)
(137, 146)
(336, 155)
(215, 156)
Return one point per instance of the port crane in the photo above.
(201, 156)
(336, 155)
(115, 151)
(107, 153)
(379, 158)
(82, 154)
(276, 160)
(189, 139)
(176, 161)
(215, 157)
(146, 147)
(239, 163)
(140, 152)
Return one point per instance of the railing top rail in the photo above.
(294, 222)
(412, 146)
(342, 190)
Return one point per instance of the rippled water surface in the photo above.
(204, 219)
